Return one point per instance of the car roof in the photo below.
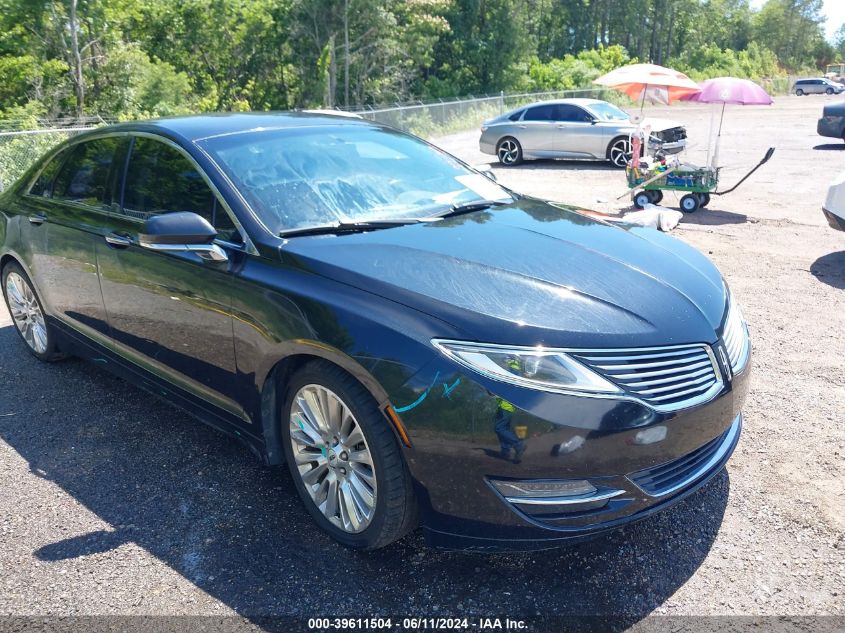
(579, 101)
(199, 126)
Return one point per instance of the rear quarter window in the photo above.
(43, 185)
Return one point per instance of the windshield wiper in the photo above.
(348, 227)
(468, 207)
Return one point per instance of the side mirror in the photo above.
(486, 170)
(181, 232)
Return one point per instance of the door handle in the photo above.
(38, 218)
(118, 241)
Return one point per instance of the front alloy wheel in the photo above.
(27, 313)
(344, 458)
(620, 152)
(333, 458)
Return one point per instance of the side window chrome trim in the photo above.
(68, 145)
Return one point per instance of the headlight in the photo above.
(735, 336)
(533, 367)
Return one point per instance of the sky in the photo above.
(834, 10)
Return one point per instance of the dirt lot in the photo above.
(109, 505)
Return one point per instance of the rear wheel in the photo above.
(344, 459)
(619, 151)
(28, 314)
(703, 199)
(656, 195)
(799, 92)
(690, 203)
(509, 151)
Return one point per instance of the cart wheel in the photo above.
(703, 199)
(642, 199)
(656, 195)
(689, 203)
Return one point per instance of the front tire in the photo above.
(344, 459)
(619, 152)
(829, 91)
(27, 314)
(799, 93)
(509, 151)
(642, 199)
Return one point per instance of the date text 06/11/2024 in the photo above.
(417, 623)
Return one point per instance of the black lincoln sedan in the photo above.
(419, 345)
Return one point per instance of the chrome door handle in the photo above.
(38, 218)
(118, 241)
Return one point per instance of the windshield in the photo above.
(608, 112)
(317, 176)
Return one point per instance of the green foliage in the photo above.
(129, 58)
(575, 71)
(755, 62)
(137, 87)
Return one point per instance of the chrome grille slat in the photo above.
(680, 352)
(664, 363)
(707, 369)
(662, 372)
(668, 378)
(688, 383)
(675, 395)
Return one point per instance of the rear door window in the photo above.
(541, 113)
(87, 177)
(160, 179)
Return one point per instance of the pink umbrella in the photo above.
(726, 90)
(730, 90)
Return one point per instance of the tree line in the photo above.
(138, 58)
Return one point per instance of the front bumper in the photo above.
(675, 147)
(831, 126)
(835, 221)
(565, 438)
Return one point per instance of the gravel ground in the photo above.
(112, 505)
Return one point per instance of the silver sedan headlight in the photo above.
(532, 367)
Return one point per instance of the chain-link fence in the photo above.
(20, 149)
(455, 115)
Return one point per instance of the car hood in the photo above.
(532, 273)
(659, 125)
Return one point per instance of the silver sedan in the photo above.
(573, 128)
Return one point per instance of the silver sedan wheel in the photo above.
(333, 458)
(26, 313)
(620, 152)
(508, 152)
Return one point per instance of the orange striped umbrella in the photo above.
(657, 82)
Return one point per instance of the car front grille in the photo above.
(667, 378)
(673, 476)
(672, 135)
